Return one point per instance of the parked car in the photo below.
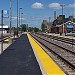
(71, 33)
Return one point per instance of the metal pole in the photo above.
(10, 20)
(19, 15)
(10, 15)
(62, 14)
(49, 23)
(21, 18)
(2, 31)
(49, 19)
(27, 27)
(62, 5)
(17, 18)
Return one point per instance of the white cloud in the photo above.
(37, 5)
(71, 6)
(54, 6)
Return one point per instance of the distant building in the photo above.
(44, 26)
(47, 26)
(69, 24)
(5, 28)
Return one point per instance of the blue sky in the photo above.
(37, 10)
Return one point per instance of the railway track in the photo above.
(62, 39)
(64, 58)
(64, 45)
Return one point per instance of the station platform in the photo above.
(46, 63)
(26, 57)
(19, 59)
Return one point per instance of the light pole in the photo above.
(17, 18)
(10, 15)
(21, 21)
(19, 15)
(21, 18)
(49, 19)
(2, 31)
(62, 5)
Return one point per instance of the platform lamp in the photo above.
(10, 20)
(17, 18)
(10, 15)
(21, 21)
(2, 31)
(21, 18)
(19, 15)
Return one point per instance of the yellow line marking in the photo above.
(48, 64)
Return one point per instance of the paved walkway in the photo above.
(19, 59)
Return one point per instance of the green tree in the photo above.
(23, 27)
(36, 29)
(30, 29)
(33, 29)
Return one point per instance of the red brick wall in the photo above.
(60, 29)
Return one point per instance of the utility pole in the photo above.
(21, 18)
(19, 15)
(2, 31)
(27, 27)
(10, 20)
(62, 5)
(10, 15)
(49, 19)
(17, 18)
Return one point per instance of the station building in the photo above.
(63, 24)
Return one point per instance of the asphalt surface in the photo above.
(19, 59)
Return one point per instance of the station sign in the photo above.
(5, 14)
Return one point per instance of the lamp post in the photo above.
(49, 19)
(19, 15)
(62, 5)
(10, 15)
(21, 18)
(2, 30)
(21, 21)
(17, 18)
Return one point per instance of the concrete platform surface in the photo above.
(19, 59)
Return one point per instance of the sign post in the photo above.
(2, 31)
(4, 14)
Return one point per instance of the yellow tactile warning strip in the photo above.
(48, 64)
